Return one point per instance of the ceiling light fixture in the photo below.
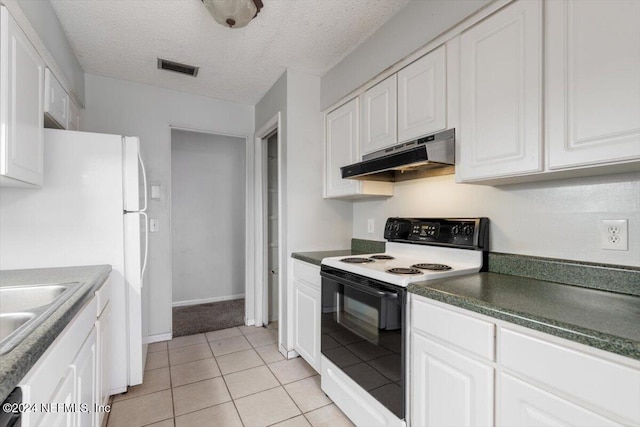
(233, 13)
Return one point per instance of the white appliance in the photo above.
(90, 210)
(365, 312)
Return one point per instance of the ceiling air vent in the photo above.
(165, 64)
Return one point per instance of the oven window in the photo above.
(362, 335)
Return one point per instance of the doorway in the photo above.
(208, 210)
(273, 225)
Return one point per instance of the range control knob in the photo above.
(455, 230)
(467, 230)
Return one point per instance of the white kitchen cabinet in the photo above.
(74, 116)
(559, 379)
(379, 116)
(540, 379)
(449, 387)
(422, 96)
(72, 369)
(103, 326)
(85, 366)
(21, 106)
(306, 301)
(56, 101)
(501, 94)
(592, 106)
(64, 395)
(342, 148)
(523, 405)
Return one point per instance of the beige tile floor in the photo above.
(232, 377)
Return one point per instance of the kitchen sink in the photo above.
(24, 308)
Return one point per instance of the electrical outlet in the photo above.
(370, 226)
(614, 234)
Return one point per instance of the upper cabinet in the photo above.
(74, 117)
(56, 102)
(587, 122)
(379, 116)
(21, 106)
(422, 103)
(341, 149)
(501, 94)
(592, 82)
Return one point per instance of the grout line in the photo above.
(232, 400)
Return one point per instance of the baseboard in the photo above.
(206, 300)
(250, 322)
(160, 337)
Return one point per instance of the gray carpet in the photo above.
(194, 319)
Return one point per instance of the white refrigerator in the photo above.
(90, 210)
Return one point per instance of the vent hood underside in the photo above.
(428, 156)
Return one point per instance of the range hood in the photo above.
(427, 156)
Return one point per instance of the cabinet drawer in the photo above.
(103, 295)
(600, 383)
(474, 335)
(307, 272)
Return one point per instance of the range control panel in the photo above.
(470, 233)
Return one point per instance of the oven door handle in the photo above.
(360, 287)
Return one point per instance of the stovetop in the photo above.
(450, 247)
(406, 256)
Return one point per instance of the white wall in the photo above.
(207, 217)
(45, 22)
(557, 219)
(411, 28)
(121, 107)
(312, 223)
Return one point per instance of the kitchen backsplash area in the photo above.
(555, 219)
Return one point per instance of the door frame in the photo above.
(261, 310)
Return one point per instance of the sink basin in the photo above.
(12, 321)
(21, 298)
(24, 308)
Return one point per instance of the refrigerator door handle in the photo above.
(144, 181)
(146, 247)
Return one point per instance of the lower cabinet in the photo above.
(70, 380)
(85, 364)
(524, 405)
(306, 309)
(540, 379)
(449, 389)
(450, 386)
(65, 395)
(102, 387)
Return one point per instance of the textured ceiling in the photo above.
(123, 38)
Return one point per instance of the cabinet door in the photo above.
(523, 405)
(103, 328)
(448, 388)
(85, 365)
(62, 413)
(501, 94)
(74, 116)
(593, 85)
(307, 323)
(341, 148)
(379, 116)
(56, 100)
(21, 104)
(422, 102)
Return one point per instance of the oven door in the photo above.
(363, 333)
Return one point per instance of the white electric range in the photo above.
(364, 313)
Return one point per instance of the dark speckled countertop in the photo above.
(15, 364)
(605, 320)
(358, 247)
